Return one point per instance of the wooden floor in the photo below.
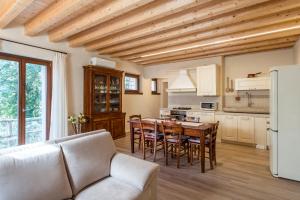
(242, 173)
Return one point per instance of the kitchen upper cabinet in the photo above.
(259, 83)
(229, 128)
(246, 129)
(208, 80)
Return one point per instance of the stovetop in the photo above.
(182, 108)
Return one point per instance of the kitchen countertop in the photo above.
(220, 112)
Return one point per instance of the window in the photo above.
(132, 84)
(154, 87)
(25, 99)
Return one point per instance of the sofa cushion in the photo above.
(88, 159)
(34, 173)
(110, 188)
(71, 137)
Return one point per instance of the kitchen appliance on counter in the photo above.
(209, 106)
(179, 113)
(284, 122)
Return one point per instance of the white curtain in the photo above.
(59, 111)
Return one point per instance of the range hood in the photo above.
(181, 83)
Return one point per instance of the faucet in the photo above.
(250, 103)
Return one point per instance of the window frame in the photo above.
(22, 60)
(137, 77)
(156, 87)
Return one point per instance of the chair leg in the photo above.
(140, 141)
(154, 149)
(144, 151)
(166, 152)
(177, 147)
(215, 155)
(192, 153)
(211, 158)
(198, 148)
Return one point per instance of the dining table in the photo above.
(192, 129)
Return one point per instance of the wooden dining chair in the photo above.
(210, 144)
(175, 142)
(152, 140)
(137, 133)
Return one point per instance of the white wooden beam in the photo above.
(155, 11)
(157, 30)
(222, 52)
(285, 29)
(99, 15)
(56, 13)
(10, 9)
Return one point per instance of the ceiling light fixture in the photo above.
(223, 41)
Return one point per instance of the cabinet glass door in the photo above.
(115, 94)
(100, 92)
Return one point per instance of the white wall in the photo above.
(297, 52)
(239, 66)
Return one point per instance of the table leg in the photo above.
(202, 150)
(131, 138)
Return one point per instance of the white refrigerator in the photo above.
(285, 122)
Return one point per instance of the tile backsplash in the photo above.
(190, 99)
(259, 99)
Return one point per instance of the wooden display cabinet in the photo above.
(103, 100)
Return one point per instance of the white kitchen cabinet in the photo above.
(208, 80)
(205, 117)
(229, 128)
(259, 83)
(220, 128)
(261, 125)
(246, 129)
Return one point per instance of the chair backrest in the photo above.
(137, 117)
(148, 127)
(213, 131)
(171, 128)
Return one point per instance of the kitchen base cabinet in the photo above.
(261, 132)
(229, 128)
(245, 129)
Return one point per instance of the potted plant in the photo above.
(77, 122)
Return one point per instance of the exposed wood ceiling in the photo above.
(148, 32)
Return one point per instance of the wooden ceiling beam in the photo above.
(221, 52)
(55, 14)
(130, 37)
(11, 9)
(281, 29)
(248, 25)
(108, 11)
(154, 11)
(213, 48)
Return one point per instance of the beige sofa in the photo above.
(81, 167)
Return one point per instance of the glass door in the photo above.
(35, 102)
(25, 98)
(9, 102)
(100, 94)
(114, 94)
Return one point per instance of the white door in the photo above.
(246, 129)
(273, 152)
(229, 129)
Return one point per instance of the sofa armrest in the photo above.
(134, 171)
